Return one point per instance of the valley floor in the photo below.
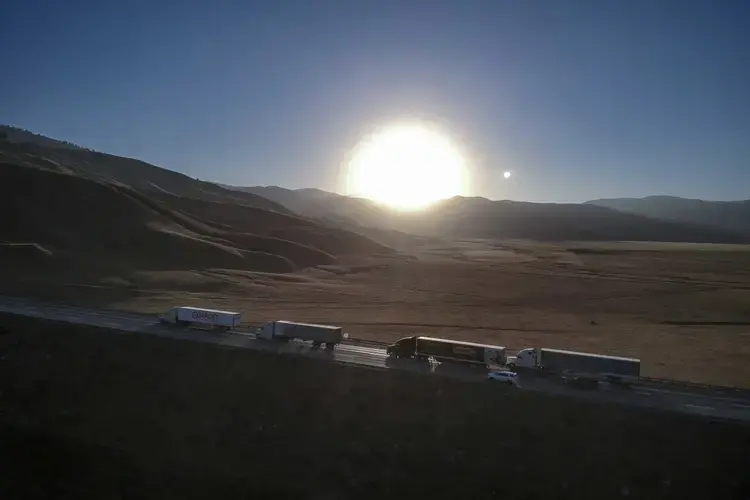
(683, 309)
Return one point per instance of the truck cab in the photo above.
(526, 358)
(169, 317)
(402, 348)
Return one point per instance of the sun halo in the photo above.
(406, 167)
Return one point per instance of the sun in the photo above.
(406, 167)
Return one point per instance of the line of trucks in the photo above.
(282, 331)
(543, 360)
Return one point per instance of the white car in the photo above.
(503, 376)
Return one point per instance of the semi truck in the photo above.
(450, 351)
(185, 315)
(558, 361)
(317, 334)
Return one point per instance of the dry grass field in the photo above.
(92, 414)
(684, 309)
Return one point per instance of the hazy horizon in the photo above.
(581, 100)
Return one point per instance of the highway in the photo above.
(672, 398)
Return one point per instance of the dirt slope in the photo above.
(248, 219)
(83, 224)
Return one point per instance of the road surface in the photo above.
(650, 395)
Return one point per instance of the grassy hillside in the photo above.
(65, 222)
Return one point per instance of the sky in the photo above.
(580, 99)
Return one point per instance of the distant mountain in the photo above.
(482, 218)
(729, 215)
(477, 217)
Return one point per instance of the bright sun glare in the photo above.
(406, 167)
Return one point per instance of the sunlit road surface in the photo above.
(673, 398)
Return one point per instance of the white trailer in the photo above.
(560, 361)
(199, 316)
(288, 330)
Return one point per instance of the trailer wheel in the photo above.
(329, 346)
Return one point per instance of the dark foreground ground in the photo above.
(87, 413)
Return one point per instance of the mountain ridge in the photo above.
(476, 216)
(464, 217)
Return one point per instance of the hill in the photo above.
(476, 217)
(16, 135)
(63, 223)
(729, 215)
(324, 205)
(27, 149)
(358, 215)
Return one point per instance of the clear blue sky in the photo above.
(582, 99)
